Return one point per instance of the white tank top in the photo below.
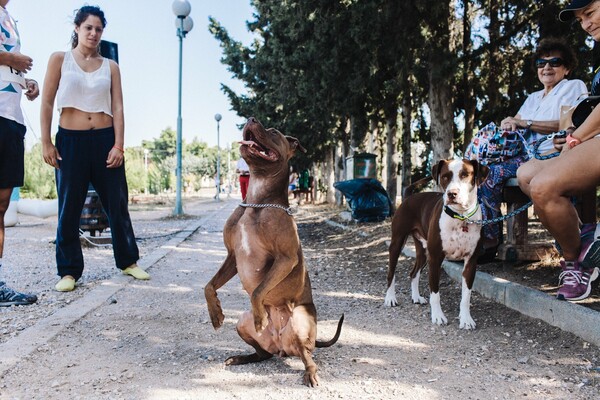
(85, 91)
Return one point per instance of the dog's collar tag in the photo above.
(458, 216)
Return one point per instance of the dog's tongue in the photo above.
(247, 142)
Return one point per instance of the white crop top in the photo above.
(85, 91)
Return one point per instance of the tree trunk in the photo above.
(329, 176)
(494, 57)
(406, 140)
(440, 106)
(439, 74)
(468, 93)
(340, 174)
(391, 154)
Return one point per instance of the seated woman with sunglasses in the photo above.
(538, 116)
(551, 183)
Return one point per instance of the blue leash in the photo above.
(537, 155)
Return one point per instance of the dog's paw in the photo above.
(390, 297)
(437, 315)
(216, 314)
(390, 303)
(466, 322)
(419, 300)
(390, 300)
(311, 379)
(438, 318)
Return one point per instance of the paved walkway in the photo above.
(29, 340)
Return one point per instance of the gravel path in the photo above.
(153, 340)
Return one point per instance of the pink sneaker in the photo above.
(575, 281)
(589, 257)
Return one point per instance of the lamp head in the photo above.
(188, 24)
(217, 117)
(181, 8)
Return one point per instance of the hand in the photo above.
(559, 143)
(21, 62)
(115, 158)
(509, 124)
(33, 89)
(51, 155)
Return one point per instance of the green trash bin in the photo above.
(361, 165)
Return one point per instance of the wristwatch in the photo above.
(529, 123)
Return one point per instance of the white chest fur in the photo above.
(459, 239)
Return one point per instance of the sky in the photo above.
(146, 35)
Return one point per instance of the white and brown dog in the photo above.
(439, 225)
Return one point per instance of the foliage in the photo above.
(149, 168)
(39, 180)
(330, 71)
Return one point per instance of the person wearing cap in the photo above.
(551, 183)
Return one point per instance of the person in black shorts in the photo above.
(13, 65)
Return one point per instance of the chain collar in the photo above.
(286, 209)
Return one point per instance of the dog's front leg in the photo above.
(466, 321)
(281, 268)
(223, 275)
(437, 315)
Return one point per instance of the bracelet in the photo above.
(572, 141)
(119, 148)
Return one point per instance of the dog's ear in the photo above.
(481, 171)
(435, 171)
(295, 144)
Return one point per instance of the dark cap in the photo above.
(567, 14)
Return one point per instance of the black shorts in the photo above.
(12, 153)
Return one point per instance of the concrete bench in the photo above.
(517, 244)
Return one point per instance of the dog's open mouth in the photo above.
(256, 148)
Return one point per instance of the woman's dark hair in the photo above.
(555, 45)
(81, 15)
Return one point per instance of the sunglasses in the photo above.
(554, 62)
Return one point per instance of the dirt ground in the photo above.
(153, 340)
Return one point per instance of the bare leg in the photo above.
(573, 172)
(4, 202)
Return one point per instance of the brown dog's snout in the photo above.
(252, 120)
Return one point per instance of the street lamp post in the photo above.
(184, 24)
(218, 179)
(146, 152)
(228, 170)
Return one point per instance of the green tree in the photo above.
(39, 182)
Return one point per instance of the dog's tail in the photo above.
(416, 186)
(335, 338)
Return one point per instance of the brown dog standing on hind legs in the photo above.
(441, 226)
(263, 248)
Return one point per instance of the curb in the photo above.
(569, 317)
(29, 340)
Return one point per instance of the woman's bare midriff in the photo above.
(74, 119)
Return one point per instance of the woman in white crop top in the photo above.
(89, 146)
